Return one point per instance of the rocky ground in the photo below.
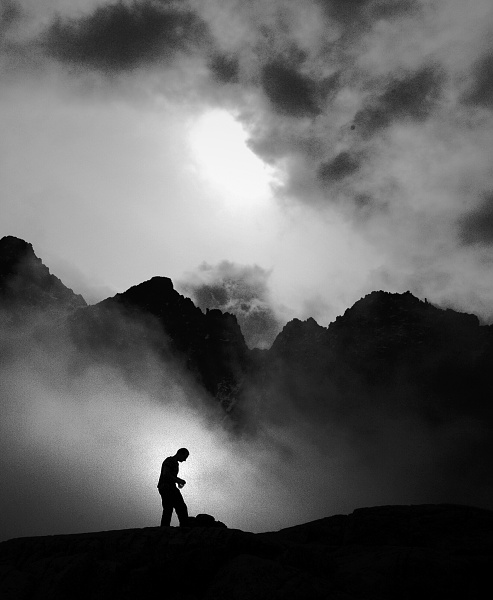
(398, 552)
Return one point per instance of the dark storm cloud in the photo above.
(386, 9)
(238, 289)
(344, 10)
(413, 97)
(477, 226)
(348, 11)
(224, 68)
(289, 92)
(481, 92)
(343, 165)
(118, 37)
(347, 82)
(10, 12)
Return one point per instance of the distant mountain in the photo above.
(384, 552)
(388, 351)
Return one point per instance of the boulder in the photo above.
(203, 520)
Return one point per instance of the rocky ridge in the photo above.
(25, 282)
(380, 553)
(386, 345)
(386, 348)
(209, 345)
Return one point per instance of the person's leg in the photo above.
(181, 508)
(167, 502)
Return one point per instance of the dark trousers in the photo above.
(172, 499)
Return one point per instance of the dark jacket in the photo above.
(169, 472)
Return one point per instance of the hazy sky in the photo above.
(275, 157)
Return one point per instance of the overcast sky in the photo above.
(277, 158)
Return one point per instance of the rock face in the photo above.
(386, 346)
(210, 345)
(387, 552)
(388, 350)
(26, 283)
(124, 330)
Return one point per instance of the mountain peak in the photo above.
(387, 309)
(210, 345)
(25, 282)
(12, 250)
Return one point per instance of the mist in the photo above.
(241, 290)
(83, 437)
(82, 445)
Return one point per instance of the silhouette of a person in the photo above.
(170, 494)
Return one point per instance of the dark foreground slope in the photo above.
(405, 552)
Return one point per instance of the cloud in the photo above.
(343, 165)
(344, 10)
(238, 289)
(395, 143)
(12, 51)
(481, 89)
(476, 227)
(10, 13)
(224, 68)
(349, 12)
(120, 37)
(328, 105)
(289, 92)
(370, 117)
(385, 9)
(411, 97)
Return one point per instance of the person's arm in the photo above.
(167, 474)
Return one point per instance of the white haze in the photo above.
(82, 444)
(82, 448)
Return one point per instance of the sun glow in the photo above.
(223, 158)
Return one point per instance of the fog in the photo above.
(82, 447)
(82, 441)
(238, 289)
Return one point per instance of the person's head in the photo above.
(182, 454)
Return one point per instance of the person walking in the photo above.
(170, 494)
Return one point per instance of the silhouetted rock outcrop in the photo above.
(386, 348)
(26, 283)
(380, 553)
(155, 315)
(203, 520)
